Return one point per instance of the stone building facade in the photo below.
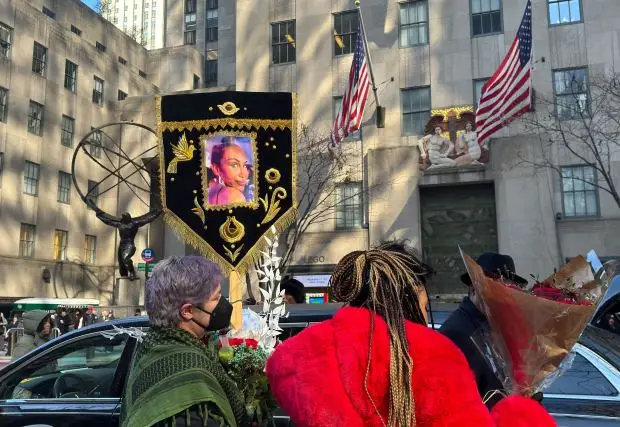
(431, 55)
(64, 70)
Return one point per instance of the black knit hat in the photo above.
(496, 265)
(294, 288)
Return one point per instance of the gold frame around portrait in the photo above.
(203, 176)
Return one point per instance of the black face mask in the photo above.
(220, 316)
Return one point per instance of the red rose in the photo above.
(235, 341)
(251, 343)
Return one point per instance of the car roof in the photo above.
(604, 343)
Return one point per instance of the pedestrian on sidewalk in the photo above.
(64, 321)
(3, 327)
(37, 331)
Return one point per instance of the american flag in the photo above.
(508, 93)
(349, 117)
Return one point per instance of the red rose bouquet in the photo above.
(533, 330)
(244, 360)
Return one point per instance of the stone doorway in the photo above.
(451, 216)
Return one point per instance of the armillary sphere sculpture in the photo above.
(116, 166)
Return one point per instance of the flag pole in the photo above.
(380, 124)
(380, 110)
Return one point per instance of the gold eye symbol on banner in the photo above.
(232, 230)
(229, 108)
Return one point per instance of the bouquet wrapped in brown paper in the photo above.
(533, 330)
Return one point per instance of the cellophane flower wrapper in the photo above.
(531, 336)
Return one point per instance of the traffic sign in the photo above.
(148, 255)
(146, 267)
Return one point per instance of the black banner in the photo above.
(228, 170)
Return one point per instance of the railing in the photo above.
(12, 336)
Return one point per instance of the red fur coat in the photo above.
(317, 377)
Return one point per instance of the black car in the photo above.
(77, 379)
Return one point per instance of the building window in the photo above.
(4, 104)
(93, 192)
(26, 240)
(416, 110)
(337, 103)
(189, 37)
(95, 143)
(478, 85)
(76, 30)
(49, 13)
(212, 20)
(486, 17)
(190, 21)
(122, 60)
(35, 118)
(349, 206)
(67, 129)
(61, 238)
(345, 32)
(413, 23)
(196, 82)
(90, 249)
(571, 93)
(579, 191)
(142, 74)
(564, 11)
(70, 75)
(283, 42)
(64, 187)
(190, 6)
(39, 59)
(122, 95)
(98, 91)
(31, 179)
(211, 69)
(6, 37)
(100, 47)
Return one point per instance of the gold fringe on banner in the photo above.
(190, 237)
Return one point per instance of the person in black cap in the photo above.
(294, 292)
(468, 319)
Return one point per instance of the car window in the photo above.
(584, 379)
(85, 368)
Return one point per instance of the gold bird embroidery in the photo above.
(183, 152)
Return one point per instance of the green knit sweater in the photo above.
(174, 372)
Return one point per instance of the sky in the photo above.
(90, 3)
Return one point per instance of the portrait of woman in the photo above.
(230, 170)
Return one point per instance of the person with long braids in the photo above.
(377, 364)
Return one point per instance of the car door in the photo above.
(75, 383)
(587, 394)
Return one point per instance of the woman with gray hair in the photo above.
(175, 379)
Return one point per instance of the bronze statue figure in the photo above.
(127, 229)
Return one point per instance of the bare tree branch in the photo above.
(587, 130)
